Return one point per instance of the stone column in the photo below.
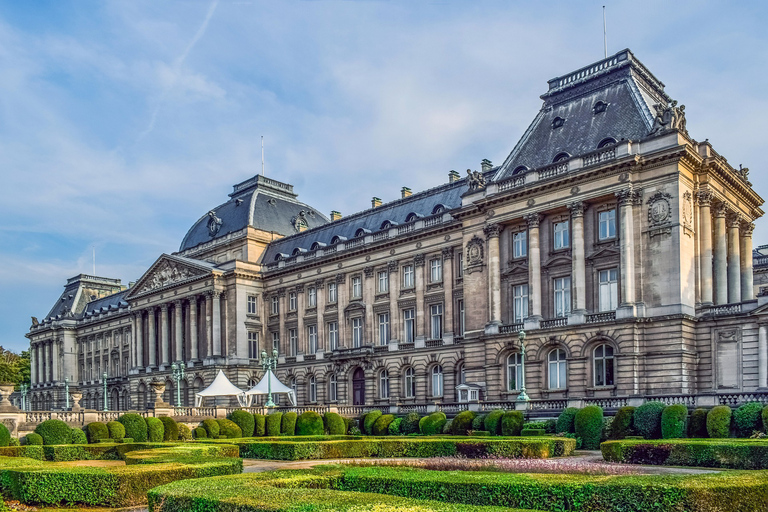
(534, 265)
(450, 322)
(734, 259)
(626, 199)
(209, 323)
(396, 322)
(762, 357)
(55, 344)
(93, 345)
(492, 233)
(224, 344)
(747, 285)
(721, 250)
(578, 269)
(164, 347)
(152, 334)
(216, 327)
(421, 327)
(179, 330)
(705, 247)
(194, 355)
(48, 375)
(139, 339)
(33, 364)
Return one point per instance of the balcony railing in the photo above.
(554, 322)
(511, 328)
(606, 316)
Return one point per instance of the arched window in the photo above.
(412, 217)
(514, 371)
(338, 238)
(603, 364)
(557, 122)
(361, 232)
(557, 369)
(312, 388)
(388, 224)
(292, 385)
(437, 380)
(438, 209)
(384, 384)
(561, 157)
(317, 245)
(520, 169)
(608, 141)
(461, 375)
(600, 106)
(333, 388)
(298, 250)
(409, 382)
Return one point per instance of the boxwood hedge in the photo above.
(211, 427)
(5, 435)
(674, 421)
(135, 427)
(170, 429)
(512, 423)
(381, 425)
(155, 429)
(432, 424)
(53, 432)
(589, 425)
(334, 424)
(746, 419)
(96, 432)
(116, 430)
(719, 453)
(273, 423)
(622, 425)
(245, 420)
(229, 429)
(288, 424)
(492, 422)
(410, 423)
(565, 420)
(368, 420)
(310, 423)
(719, 421)
(648, 419)
(697, 425)
(259, 425)
(462, 423)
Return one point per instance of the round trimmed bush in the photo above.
(512, 423)
(747, 418)
(589, 425)
(674, 421)
(135, 427)
(565, 420)
(369, 420)
(33, 439)
(212, 428)
(697, 426)
(479, 422)
(310, 423)
(53, 432)
(394, 427)
(447, 427)
(116, 430)
(432, 424)
(410, 424)
(288, 424)
(5, 435)
(259, 425)
(719, 422)
(648, 419)
(245, 421)
(170, 429)
(462, 423)
(229, 428)
(200, 433)
(334, 424)
(155, 429)
(96, 432)
(184, 433)
(622, 423)
(381, 425)
(77, 436)
(273, 423)
(493, 422)
(14, 442)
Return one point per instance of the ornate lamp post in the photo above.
(523, 396)
(269, 363)
(23, 389)
(178, 373)
(104, 380)
(66, 392)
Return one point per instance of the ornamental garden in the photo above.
(650, 458)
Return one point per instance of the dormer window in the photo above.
(438, 209)
(557, 122)
(387, 224)
(412, 217)
(608, 141)
(338, 238)
(599, 107)
(361, 232)
(561, 157)
(520, 169)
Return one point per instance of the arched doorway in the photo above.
(115, 399)
(358, 387)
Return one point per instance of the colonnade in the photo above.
(44, 358)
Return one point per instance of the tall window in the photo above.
(383, 282)
(293, 340)
(292, 301)
(333, 335)
(312, 388)
(514, 371)
(251, 305)
(557, 369)
(520, 244)
(409, 325)
(276, 341)
(603, 363)
(437, 380)
(312, 338)
(409, 381)
(332, 293)
(607, 224)
(460, 266)
(311, 297)
(275, 310)
(357, 287)
(384, 384)
(609, 289)
(462, 378)
(460, 308)
(520, 302)
(562, 296)
(561, 235)
(357, 332)
(436, 316)
(333, 388)
(435, 270)
(407, 276)
(383, 328)
(253, 345)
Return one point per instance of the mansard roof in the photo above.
(109, 303)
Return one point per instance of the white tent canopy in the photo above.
(221, 386)
(262, 388)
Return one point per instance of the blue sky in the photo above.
(122, 122)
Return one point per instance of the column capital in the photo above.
(493, 230)
(192, 299)
(704, 198)
(733, 220)
(319, 284)
(341, 278)
(577, 208)
(533, 220)
(721, 209)
(418, 260)
(393, 266)
(164, 307)
(368, 271)
(178, 303)
(747, 228)
(447, 253)
(629, 196)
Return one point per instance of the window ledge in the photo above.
(602, 388)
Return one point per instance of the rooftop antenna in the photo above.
(262, 155)
(605, 35)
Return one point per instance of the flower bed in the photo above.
(716, 453)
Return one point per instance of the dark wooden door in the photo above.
(358, 387)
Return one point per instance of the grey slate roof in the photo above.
(621, 81)
(108, 303)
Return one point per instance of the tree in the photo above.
(14, 367)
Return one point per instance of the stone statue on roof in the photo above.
(669, 117)
(475, 179)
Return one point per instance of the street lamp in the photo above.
(104, 380)
(523, 396)
(269, 363)
(66, 392)
(178, 373)
(23, 389)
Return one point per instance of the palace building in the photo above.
(621, 246)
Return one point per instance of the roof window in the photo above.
(560, 157)
(520, 169)
(608, 141)
(440, 208)
(599, 107)
(557, 122)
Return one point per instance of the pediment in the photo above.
(166, 272)
(564, 258)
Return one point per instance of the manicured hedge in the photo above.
(170, 429)
(746, 419)
(622, 425)
(462, 423)
(479, 422)
(229, 429)
(368, 420)
(185, 434)
(116, 430)
(200, 433)
(259, 425)
(394, 427)
(381, 425)
(77, 436)
(135, 427)
(273, 423)
(648, 419)
(719, 421)
(492, 422)
(28, 451)
(245, 421)
(512, 423)
(719, 453)
(309, 423)
(334, 424)
(155, 429)
(674, 421)
(589, 424)
(565, 422)
(288, 424)
(53, 432)
(697, 425)
(211, 426)
(410, 424)
(5, 436)
(96, 432)
(33, 439)
(432, 424)
(765, 418)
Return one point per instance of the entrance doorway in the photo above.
(358, 387)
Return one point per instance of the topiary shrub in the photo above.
(77, 436)
(550, 426)
(719, 422)
(274, 421)
(212, 428)
(135, 427)
(648, 419)
(229, 428)
(155, 430)
(565, 420)
(96, 431)
(765, 418)
(53, 432)
(170, 429)
(245, 421)
(350, 423)
(368, 420)
(200, 433)
(746, 419)
(288, 424)
(410, 424)
(588, 424)
(14, 442)
(184, 433)
(259, 425)
(381, 425)
(697, 426)
(479, 422)
(116, 430)
(310, 423)
(447, 427)
(493, 422)
(5, 436)
(394, 427)
(622, 423)
(33, 439)
(432, 424)
(674, 422)
(334, 424)
(512, 423)
(462, 423)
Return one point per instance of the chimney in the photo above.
(486, 165)
(376, 201)
(406, 192)
(453, 176)
(335, 215)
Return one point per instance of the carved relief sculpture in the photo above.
(167, 273)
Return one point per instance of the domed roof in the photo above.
(260, 202)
